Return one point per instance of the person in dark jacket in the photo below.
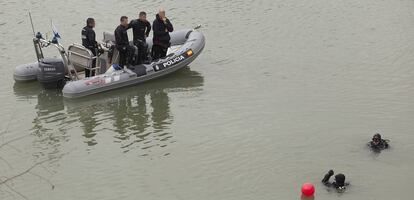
(161, 40)
(89, 41)
(126, 51)
(377, 143)
(141, 29)
(339, 183)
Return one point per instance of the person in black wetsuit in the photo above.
(126, 51)
(339, 183)
(161, 40)
(377, 143)
(89, 41)
(141, 29)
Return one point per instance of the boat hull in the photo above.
(192, 44)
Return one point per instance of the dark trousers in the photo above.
(89, 73)
(158, 51)
(125, 55)
(142, 50)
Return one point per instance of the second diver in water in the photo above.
(339, 184)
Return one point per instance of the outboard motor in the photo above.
(51, 73)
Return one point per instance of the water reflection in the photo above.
(47, 126)
(303, 197)
(138, 117)
(26, 91)
(141, 115)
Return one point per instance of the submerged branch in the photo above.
(25, 171)
(7, 162)
(15, 191)
(13, 140)
(8, 124)
(43, 178)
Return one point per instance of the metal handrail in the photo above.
(90, 57)
(78, 54)
(41, 43)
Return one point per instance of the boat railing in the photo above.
(81, 57)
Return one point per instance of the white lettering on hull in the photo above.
(173, 61)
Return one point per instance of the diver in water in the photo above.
(339, 183)
(377, 143)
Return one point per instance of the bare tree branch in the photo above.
(46, 169)
(43, 178)
(8, 124)
(13, 140)
(5, 161)
(17, 192)
(25, 171)
(7, 191)
(15, 148)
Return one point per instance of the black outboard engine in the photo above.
(51, 73)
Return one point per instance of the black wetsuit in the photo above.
(383, 144)
(141, 30)
(338, 184)
(89, 41)
(335, 185)
(161, 39)
(122, 44)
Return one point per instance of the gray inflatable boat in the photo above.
(186, 45)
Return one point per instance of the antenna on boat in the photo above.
(31, 22)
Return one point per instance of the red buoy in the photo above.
(308, 189)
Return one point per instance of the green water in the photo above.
(283, 91)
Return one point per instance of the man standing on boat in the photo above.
(141, 29)
(126, 51)
(161, 40)
(89, 42)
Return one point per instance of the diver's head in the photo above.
(90, 22)
(376, 139)
(340, 180)
(161, 13)
(124, 21)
